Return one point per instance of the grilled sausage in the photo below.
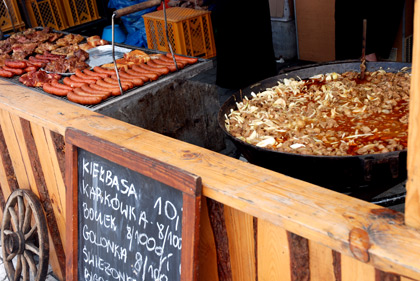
(16, 71)
(170, 60)
(86, 100)
(15, 63)
(102, 83)
(137, 81)
(35, 62)
(44, 57)
(91, 90)
(67, 81)
(103, 95)
(49, 88)
(34, 59)
(30, 68)
(6, 73)
(99, 69)
(82, 80)
(182, 59)
(143, 73)
(171, 66)
(143, 76)
(153, 67)
(95, 74)
(57, 84)
(81, 75)
(114, 91)
(115, 82)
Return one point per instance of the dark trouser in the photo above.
(383, 19)
(244, 43)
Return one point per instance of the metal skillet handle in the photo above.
(135, 8)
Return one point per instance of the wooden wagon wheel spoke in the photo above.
(27, 220)
(14, 217)
(21, 212)
(8, 232)
(25, 268)
(31, 262)
(31, 247)
(30, 233)
(24, 237)
(11, 256)
(18, 270)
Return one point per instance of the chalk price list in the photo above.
(127, 230)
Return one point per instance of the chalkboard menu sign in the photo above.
(129, 217)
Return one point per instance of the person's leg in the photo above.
(383, 22)
(244, 45)
(348, 29)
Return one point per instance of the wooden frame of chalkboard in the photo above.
(123, 210)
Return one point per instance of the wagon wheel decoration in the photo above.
(24, 237)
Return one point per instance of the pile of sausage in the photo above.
(45, 58)
(13, 67)
(89, 87)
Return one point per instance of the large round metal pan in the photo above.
(347, 174)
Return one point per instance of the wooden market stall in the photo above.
(255, 224)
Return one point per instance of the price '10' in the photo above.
(169, 210)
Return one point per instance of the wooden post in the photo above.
(412, 208)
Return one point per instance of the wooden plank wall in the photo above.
(234, 244)
(255, 249)
(32, 157)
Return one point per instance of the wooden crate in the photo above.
(190, 32)
(5, 21)
(80, 11)
(46, 13)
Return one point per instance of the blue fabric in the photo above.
(133, 23)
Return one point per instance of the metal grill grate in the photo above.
(15, 80)
(111, 99)
(188, 71)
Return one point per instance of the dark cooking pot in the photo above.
(346, 174)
